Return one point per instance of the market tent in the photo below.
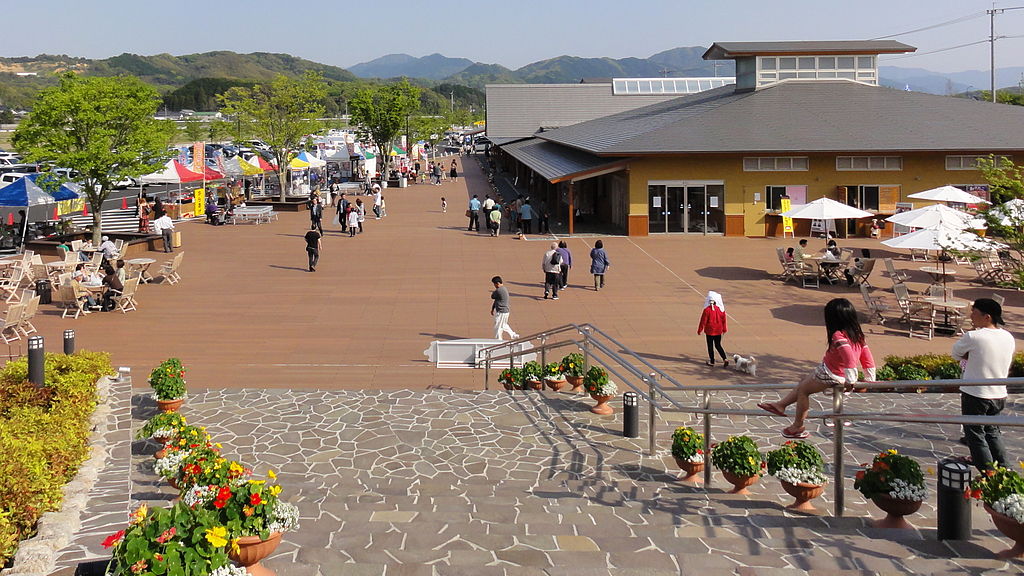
(24, 193)
(311, 160)
(396, 151)
(297, 164)
(825, 209)
(235, 166)
(948, 194)
(66, 190)
(258, 161)
(173, 173)
(211, 174)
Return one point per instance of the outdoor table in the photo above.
(938, 274)
(828, 270)
(948, 305)
(142, 265)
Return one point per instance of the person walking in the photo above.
(846, 348)
(526, 217)
(552, 267)
(143, 212)
(444, 205)
(454, 173)
(471, 213)
(165, 227)
(313, 247)
(316, 214)
(377, 201)
(361, 213)
(494, 220)
(714, 324)
(343, 210)
(598, 264)
(563, 249)
(438, 171)
(985, 353)
(500, 310)
(352, 216)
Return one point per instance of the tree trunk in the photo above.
(282, 179)
(97, 222)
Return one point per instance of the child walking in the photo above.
(444, 204)
(713, 325)
(846, 348)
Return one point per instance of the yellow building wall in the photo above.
(920, 172)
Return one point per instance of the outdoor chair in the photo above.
(922, 317)
(31, 307)
(119, 246)
(999, 298)
(10, 285)
(861, 276)
(10, 332)
(94, 263)
(169, 270)
(845, 256)
(808, 276)
(917, 254)
(67, 299)
(126, 300)
(875, 305)
(76, 245)
(895, 275)
(790, 270)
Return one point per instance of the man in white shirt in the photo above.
(165, 227)
(985, 352)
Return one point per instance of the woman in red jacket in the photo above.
(713, 325)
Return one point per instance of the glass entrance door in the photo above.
(687, 208)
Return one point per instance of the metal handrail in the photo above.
(589, 344)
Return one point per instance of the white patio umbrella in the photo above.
(1010, 213)
(941, 238)
(825, 209)
(932, 216)
(948, 194)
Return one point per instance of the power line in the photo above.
(902, 57)
(933, 26)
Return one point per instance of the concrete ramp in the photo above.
(465, 353)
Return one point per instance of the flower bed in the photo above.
(43, 438)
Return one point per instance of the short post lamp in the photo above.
(953, 511)
(36, 361)
(69, 342)
(631, 415)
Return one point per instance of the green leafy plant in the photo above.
(553, 371)
(892, 474)
(688, 444)
(168, 380)
(246, 508)
(532, 371)
(572, 364)
(596, 382)
(164, 425)
(1002, 489)
(797, 462)
(738, 455)
(512, 377)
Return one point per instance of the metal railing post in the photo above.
(837, 448)
(707, 440)
(487, 371)
(586, 349)
(543, 350)
(652, 405)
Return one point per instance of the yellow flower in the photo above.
(139, 515)
(271, 474)
(234, 545)
(218, 445)
(217, 536)
(235, 468)
(275, 490)
(257, 482)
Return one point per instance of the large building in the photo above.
(803, 119)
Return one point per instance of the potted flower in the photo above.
(572, 367)
(688, 451)
(511, 378)
(801, 470)
(175, 540)
(168, 466)
(252, 513)
(740, 462)
(1002, 492)
(600, 388)
(895, 484)
(553, 375)
(168, 382)
(532, 373)
(162, 428)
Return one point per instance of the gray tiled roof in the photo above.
(727, 50)
(814, 116)
(553, 162)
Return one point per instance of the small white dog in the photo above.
(748, 365)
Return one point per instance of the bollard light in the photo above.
(124, 373)
(953, 511)
(69, 342)
(631, 415)
(36, 361)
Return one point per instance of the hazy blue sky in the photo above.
(507, 32)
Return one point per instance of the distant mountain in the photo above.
(479, 75)
(688, 61)
(921, 80)
(432, 67)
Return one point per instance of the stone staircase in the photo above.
(403, 482)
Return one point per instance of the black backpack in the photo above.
(556, 258)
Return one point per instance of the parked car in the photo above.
(11, 177)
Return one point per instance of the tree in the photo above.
(193, 130)
(381, 112)
(281, 114)
(1006, 182)
(103, 128)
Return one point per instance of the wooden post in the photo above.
(572, 207)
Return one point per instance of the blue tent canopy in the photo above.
(24, 193)
(67, 190)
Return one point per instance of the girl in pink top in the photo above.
(846, 349)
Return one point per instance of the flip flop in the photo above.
(789, 433)
(770, 408)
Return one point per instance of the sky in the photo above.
(507, 32)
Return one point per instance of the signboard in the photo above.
(199, 157)
(902, 207)
(787, 222)
(656, 202)
(818, 227)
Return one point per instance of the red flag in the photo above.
(124, 203)
(10, 219)
(85, 209)
(56, 214)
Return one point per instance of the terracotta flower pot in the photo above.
(251, 550)
(803, 493)
(534, 385)
(555, 385)
(576, 382)
(1011, 529)
(895, 511)
(740, 483)
(174, 483)
(170, 405)
(691, 470)
(508, 386)
(602, 406)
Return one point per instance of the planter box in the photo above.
(137, 244)
(289, 205)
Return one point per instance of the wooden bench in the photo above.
(255, 214)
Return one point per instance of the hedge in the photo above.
(933, 367)
(43, 438)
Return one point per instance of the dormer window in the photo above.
(772, 69)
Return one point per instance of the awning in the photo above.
(557, 163)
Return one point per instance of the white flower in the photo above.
(696, 458)
(199, 495)
(229, 570)
(283, 518)
(801, 476)
(901, 490)
(163, 432)
(1012, 506)
(607, 389)
(169, 465)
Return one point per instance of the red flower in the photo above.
(860, 475)
(167, 535)
(224, 493)
(255, 500)
(139, 566)
(113, 539)
(219, 503)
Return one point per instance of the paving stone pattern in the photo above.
(440, 482)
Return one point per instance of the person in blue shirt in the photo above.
(474, 208)
(526, 217)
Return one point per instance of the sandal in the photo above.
(790, 432)
(770, 408)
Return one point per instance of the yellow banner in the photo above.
(787, 222)
(200, 201)
(199, 157)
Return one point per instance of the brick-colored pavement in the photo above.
(248, 314)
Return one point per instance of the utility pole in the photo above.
(992, 42)
(453, 101)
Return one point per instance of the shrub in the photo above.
(688, 444)
(532, 371)
(168, 380)
(596, 382)
(43, 437)
(554, 371)
(797, 462)
(892, 474)
(738, 455)
(513, 377)
(573, 364)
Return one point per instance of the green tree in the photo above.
(381, 113)
(220, 130)
(193, 130)
(1006, 182)
(103, 128)
(281, 114)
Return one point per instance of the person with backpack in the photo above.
(552, 267)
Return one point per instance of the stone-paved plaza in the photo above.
(442, 482)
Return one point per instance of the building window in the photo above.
(774, 196)
(970, 162)
(869, 163)
(776, 164)
(771, 69)
(863, 197)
